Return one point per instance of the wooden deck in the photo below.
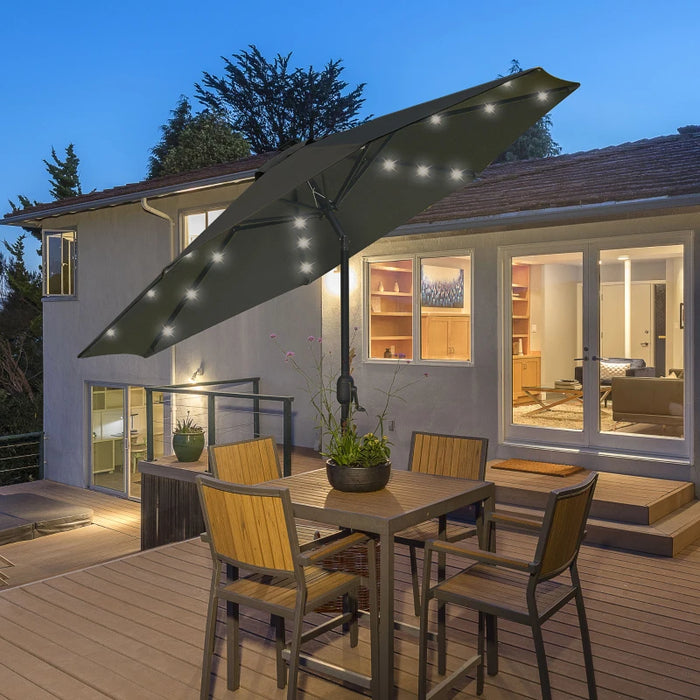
(133, 628)
(115, 532)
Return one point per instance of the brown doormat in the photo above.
(525, 465)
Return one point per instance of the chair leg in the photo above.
(295, 649)
(541, 660)
(414, 579)
(233, 648)
(350, 604)
(209, 638)
(423, 647)
(480, 652)
(279, 648)
(586, 643)
(373, 610)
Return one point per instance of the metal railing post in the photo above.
(287, 439)
(149, 425)
(211, 419)
(256, 408)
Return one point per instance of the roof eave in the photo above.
(35, 218)
(553, 215)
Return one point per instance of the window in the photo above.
(196, 222)
(59, 263)
(442, 302)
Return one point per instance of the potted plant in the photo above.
(355, 461)
(188, 439)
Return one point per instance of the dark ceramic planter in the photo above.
(358, 479)
(188, 446)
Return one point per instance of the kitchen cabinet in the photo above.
(446, 337)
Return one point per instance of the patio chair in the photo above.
(4, 562)
(528, 592)
(252, 462)
(252, 528)
(445, 455)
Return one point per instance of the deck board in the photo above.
(134, 628)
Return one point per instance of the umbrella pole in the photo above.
(346, 392)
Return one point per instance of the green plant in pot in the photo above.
(188, 439)
(355, 460)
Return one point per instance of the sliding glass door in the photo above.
(595, 342)
(118, 437)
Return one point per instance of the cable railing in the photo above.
(21, 458)
(252, 405)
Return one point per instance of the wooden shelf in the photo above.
(391, 268)
(392, 294)
(392, 337)
(392, 313)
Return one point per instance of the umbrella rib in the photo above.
(359, 169)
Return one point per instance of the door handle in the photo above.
(644, 345)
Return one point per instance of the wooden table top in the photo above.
(408, 499)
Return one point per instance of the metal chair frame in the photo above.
(560, 537)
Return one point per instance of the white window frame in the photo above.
(185, 239)
(417, 259)
(71, 263)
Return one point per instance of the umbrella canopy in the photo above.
(316, 204)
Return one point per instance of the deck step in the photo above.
(666, 537)
(622, 498)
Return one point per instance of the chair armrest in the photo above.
(480, 555)
(523, 522)
(204, 537)
(318, 540)
(337, 545)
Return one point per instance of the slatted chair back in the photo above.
(246, 462)
(249, 526)
(563, 527)
(448, 455)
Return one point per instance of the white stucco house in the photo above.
(497, 293)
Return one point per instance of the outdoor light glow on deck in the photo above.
(435, 120)
(168, 331)
(217, 257)
(303, 243)
(489, 109)
(299, 222)
(191, 294)
(542, 96)
(151, 294)
(457, 174)
(423, 171)
(111, 333)
(389, 165)
(306, 267)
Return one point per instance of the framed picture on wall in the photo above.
(442, 287)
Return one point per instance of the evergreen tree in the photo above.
(194, 141)
(64, 180)
(536, 142)
(275, 106)
(20, 343)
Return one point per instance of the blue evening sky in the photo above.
(105, 76)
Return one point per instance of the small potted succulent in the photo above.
(188, 439)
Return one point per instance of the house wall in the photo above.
(120, 251)
(466, 399)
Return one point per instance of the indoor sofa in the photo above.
(657, 400)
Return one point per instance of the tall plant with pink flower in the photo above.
(343, 444)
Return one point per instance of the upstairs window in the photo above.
(195, 222)
(59, 263)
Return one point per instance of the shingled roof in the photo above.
(662, 167)
(666, 166)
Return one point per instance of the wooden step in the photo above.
(618, 497)
(666, 537)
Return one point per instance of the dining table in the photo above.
(408, 499)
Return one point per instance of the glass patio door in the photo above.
(595, 344)
(118, 438)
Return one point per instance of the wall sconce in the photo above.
(197, 373)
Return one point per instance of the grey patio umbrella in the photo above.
(315, 205)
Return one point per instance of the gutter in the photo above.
(126, 198)
(551, 216)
